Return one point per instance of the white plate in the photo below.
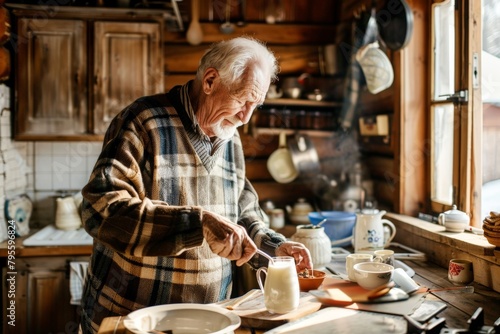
(183, 318)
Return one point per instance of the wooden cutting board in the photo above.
(344, 293)
(253, 313)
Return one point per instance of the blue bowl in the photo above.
(339, 224)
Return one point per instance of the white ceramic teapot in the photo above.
(369, 232)
(454, 220)
(298, 214)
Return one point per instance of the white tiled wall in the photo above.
(40, 169)
(60, 166)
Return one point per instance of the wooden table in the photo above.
(460, 306)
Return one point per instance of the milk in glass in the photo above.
(281, 288)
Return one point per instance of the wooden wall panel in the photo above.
(297, 11)
(293, 59)
(278, 34)
(284, 194)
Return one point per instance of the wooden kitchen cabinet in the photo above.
(42, 296)
(127, 63)
(76, 71)
(52, 77)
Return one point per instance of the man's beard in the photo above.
(226, 132)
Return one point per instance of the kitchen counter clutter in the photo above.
(39, 265)
(446, 307)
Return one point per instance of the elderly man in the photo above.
(168, 203)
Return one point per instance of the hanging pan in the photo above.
(395, 24)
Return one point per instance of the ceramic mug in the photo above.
(281, 287)
(460, 272)
(384, 256)
(370, 275)
(353, 259)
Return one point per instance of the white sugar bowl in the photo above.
(454, 220)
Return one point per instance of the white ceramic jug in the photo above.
(369, 232)
(67, 217)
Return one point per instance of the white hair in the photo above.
(234, 57)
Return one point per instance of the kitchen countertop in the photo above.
(460, 305)
(30, 251)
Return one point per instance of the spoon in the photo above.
(242, 299)
(194, 34)
(266, 256)
(227, 27)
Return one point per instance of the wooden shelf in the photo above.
(311, 133)
(301, 102)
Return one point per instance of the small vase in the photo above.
(315, 239)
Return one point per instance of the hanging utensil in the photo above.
(243, 13)
(227, 27)
(304, 155)
(376, 67)
(194, 34)
(280, 164)
(395, 24)
(363, 32)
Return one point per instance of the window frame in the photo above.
(467, 137)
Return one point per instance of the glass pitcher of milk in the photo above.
(281, 287)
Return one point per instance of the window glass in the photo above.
(490, 60)
(444, 49)
(442, 153)
(442, 113)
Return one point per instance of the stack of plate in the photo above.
(491, 227)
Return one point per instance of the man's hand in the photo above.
(298, 251)
(227, 239)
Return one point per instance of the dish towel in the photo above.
(77, 275)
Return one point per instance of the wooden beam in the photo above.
(412, 101)
(278, 34)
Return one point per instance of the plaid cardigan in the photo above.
(143, 206)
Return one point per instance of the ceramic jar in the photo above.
(317, 242)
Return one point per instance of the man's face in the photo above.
(231, 108)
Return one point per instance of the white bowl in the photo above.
(370, 275)
(183, 318)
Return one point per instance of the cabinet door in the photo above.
(127, 65)
(51, 77)
(49, 310)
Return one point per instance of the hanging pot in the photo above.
(395, 24)
(280, 164)
(304, 155)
